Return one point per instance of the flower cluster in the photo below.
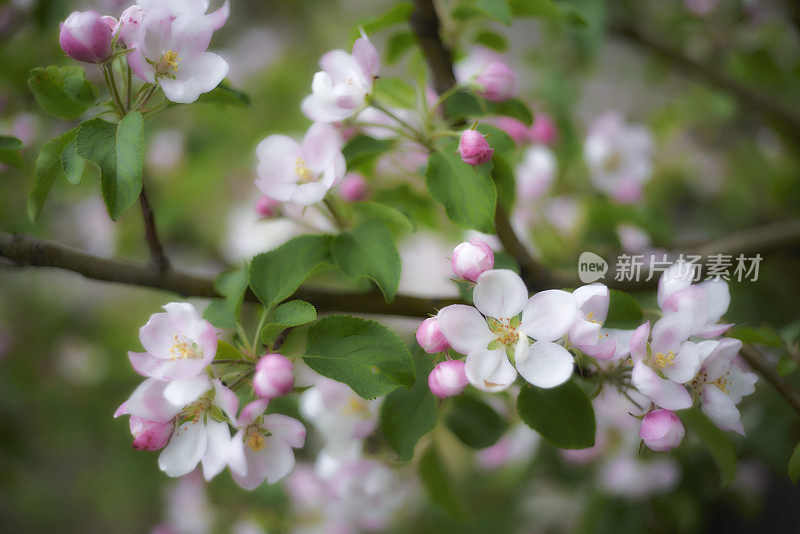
(165, 44)
(185, 409)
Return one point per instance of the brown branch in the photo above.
(157, 255)
(776, 111)
(26, 250)
(759, 362)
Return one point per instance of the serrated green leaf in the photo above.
(562, 415)
(363, 354)
(369, 251)
(763, 335)
(288, 315)
(408, 414)
(10, 151)
(127, 183)
(463, 105)
(499, 140)
(62, 91)
(514, 108)
(438, 483)
(370, 209)
(623, 311)
(226, 351)
(474, 422)
(72, 164)
(363, 150)
(466, 192)
(276, 275)
(794, 464)
(46, 169)
(718, 443)
(224, 312)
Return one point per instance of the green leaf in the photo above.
(438, 483)
(127, 184)
(363, 354)
(369, 250)
(397, 14)
(514, 108)
(463, 105)
(72, 164)
(536, 8)
(62, 91)
(398, 45)
(224, 94)
(794, 464)
(718, 443)
(408, 414)
(363, 150)
(226, 351)
(395, 92)
(46, 169)
(494, 9)
(499, 140)
(288, 315)
(492, 40)
(369, 209)
(504, 180)
(786, 365)
(276, 274)
(763, 335)
(562, 415)
(466, 192)
(232, 285)
(474, 422)
(9, 151)
(623, 311)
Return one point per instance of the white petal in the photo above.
(186, 391)
(184, 450)
(718, 298)
(545, 364)
(286, 428)
(593, 299)
(670, 331)
(464, 328)
(149, 402)
(665, 393)
(216, 455)
(549, 314)
(685, 365)
(720, 408)
(489, 370)
(500, 293)
(677, 277)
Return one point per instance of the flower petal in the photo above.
(665, 393)
(545, 364)
(489, 370)
(718, 298)
(186, 391)
(464, 328)
(251, 412)
(216, 453)
(685, 365)
(286, 428)
(500, 293)
(186, 447)
(639, 341)
(593, 299)
(226, 400)
(549, 314)
(273, 462)
(670, 331)
(149, 402)
(720, 408)
(678, 276)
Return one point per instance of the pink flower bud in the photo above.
(661, 430)
(274, 376)
(430, 337)
(353, 187)
(448, 379)
(543, 130)
(86, 36)
(471, 258)
(150, 435)
(498, 82)
(474, 148)
(129, 29)
(515, 128)
(267, 207)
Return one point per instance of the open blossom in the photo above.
(430, 337)
(473, 148)
(535, 173)
(619, 157)
(274, 376)
(189, 407)
(707, 301)
(471, 258)
(661, 430)
(300, 173)
(587, 332)
(493, 329)
(493, 76)
(672, 361)
(130, 29)
(171, 51)
(722, 382)
(448, 379)
(337, 412)
(179, 344)
(262, 447)
(344, 82)
(86, 36)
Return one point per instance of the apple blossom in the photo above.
(618, 157)
(337, 412)
(473, 148)
(543, 130)
(515, 128)
(300, 173)
(274, 376)
(267, 207)
(489, 72)
(262, 447)
(659, 373)
(353, 187)
(179, 344)
(171, 51)
(722, 382)
(471, 258)
(587, 332)
(86, 36)
(492, 330)
(661, 430)
(344, 82)
(448, 379)
(430, 337)
(535, 173)
(129, 28)
(707, 301)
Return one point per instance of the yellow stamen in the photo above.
(255, 440)
(506, 333)
(662, 360)
(723, 384)
(184, 349)
(302, 171)
(591, 318)
(169, 62)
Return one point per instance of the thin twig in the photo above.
(157, 255)
(759, 362)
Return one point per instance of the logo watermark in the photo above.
(591, 267)
(645, 267)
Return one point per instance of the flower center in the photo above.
(662, 360)
(255, 438)
(169, 62)
(723, 383)
(505, 330)
(195, 411)
(614, 162)
(591, 319)
(185, 349)
(356, 407)
(303, 172)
